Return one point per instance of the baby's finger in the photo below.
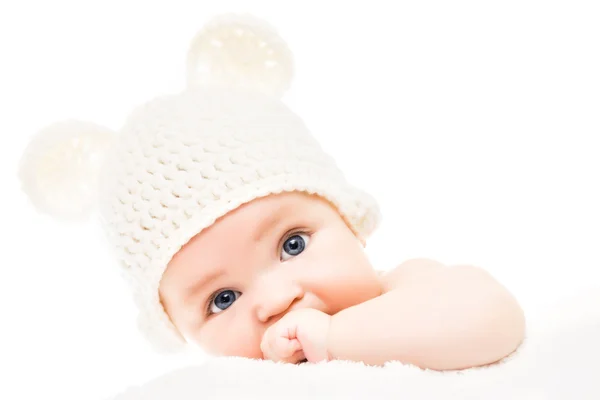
(285, 348)
(293, 359)
(298, 357)
(268, 339)
(281, 349)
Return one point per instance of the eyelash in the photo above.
(285, 237)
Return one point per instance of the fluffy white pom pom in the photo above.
(243, 51)
(59, 169)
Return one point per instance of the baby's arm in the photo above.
(432, 316)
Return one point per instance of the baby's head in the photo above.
(272, 255)
(224, 212)
(213, 184)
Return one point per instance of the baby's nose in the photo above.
(276, 299)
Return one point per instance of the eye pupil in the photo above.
(224, 299)
(294, 245)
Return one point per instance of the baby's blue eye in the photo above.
(223, 300)
(293, 246)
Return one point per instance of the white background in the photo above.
(475, 125)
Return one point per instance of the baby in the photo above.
(284, 278)
(238, 233)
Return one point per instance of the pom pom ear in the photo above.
(243, 51)
(59, 168)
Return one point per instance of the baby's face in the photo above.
(273, 255)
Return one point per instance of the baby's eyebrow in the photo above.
(268, 224)
(199, 284)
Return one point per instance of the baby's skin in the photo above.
(284, 278)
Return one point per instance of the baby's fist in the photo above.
(300, 334)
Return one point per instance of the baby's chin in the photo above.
(251, 352)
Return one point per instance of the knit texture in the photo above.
(182, 161)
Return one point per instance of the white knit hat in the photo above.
(181, 161)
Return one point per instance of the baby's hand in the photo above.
(300, 334)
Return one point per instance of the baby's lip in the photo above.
(308, 301)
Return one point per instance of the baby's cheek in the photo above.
(235, 338)
(345, 280)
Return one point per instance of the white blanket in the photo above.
(560, 359)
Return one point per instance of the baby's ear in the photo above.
(59, 168)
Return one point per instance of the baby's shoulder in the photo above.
(410, 271)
